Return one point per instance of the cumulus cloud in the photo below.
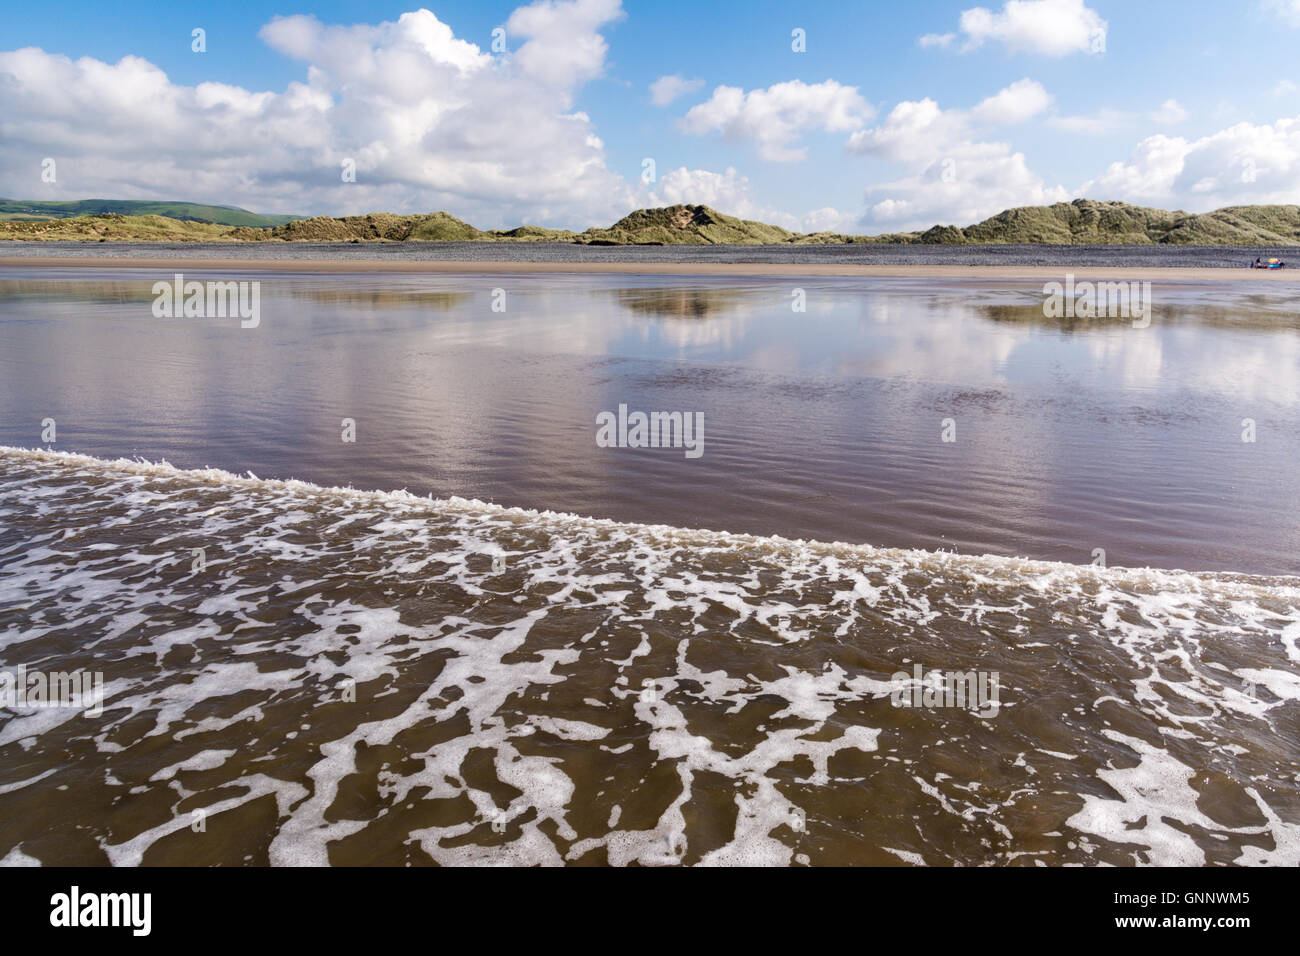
(914, 130)
(773, 118)
(1242, 164)
(430, 120)
(564, 48)
(1047, 27)
(668, 88)
(918, 130)
(952, 175)
(1018, 103)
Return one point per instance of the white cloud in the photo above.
(774, 117)
(668, 88)
(564, 48)
(1018, 103)
(1169, 114)
(1048, 27)
(1284, 88)
(431, 121)
(1147, 176)
(918, 130)
(1242, 164)
(914, 130)
(952, 176)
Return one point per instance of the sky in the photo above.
(864, 117)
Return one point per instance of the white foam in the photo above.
(16, 857)
(1043, 572)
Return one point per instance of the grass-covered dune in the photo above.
(1088, 222)
(695, 225)
(431, 227)
(1082, 222)
(112, 227)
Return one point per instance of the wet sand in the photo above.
(340, 266)
(366, 679)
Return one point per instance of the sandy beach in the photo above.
(1045, 273)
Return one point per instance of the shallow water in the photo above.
(1067, 257)
(1070, 436)
(298, 674)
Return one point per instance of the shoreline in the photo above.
(1009, 564)
(742, 269)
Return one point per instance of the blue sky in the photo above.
(1188, 104)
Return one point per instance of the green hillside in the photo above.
(11, 209)
(107, 227)
(1089, 222)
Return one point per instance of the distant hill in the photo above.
(23, 209)
(695, 225)
(1089, 222)
(1082, 222)
(106, 227)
